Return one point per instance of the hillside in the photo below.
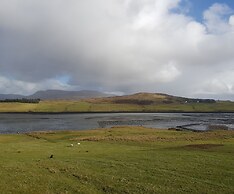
(57, 95)
(140, 102)
(11, 96)
(67, 95)
(149, 99)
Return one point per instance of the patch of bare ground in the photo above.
(203, 146)
(141, 134)
(132, 134)
(138, 98)
(136, 138)
(37, 134)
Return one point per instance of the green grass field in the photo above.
(85, 106)
(117, 160)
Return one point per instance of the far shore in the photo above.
(110, 112)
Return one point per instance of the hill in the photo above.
(57, 95)
(67, 95)
(11, 96)
(59, 102)
(149, 99)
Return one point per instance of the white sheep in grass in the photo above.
(71, 145)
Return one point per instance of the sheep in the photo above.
(78, 143)
(71, 145)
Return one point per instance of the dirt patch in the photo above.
(203, 146)
(133, 101)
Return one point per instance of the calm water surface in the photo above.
(18, 123)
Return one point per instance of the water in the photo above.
(18, 123)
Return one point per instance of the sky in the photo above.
(178, 47)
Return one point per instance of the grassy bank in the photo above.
(117, 160)
(85, 106)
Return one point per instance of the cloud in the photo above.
(215, 19)
(120, 45)
(231, 21)
(8, 86)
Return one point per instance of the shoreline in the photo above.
(110, 112)
(45, 125)
(176, 129)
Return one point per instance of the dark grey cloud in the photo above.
(115, 46)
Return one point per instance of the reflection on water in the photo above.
(13, 123)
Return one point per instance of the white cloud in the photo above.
(9, 86)
(125, 46)
(215, 19)
(231, 20)
(219, 84)
(168, 73)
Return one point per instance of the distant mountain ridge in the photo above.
(57, 95)
(99, 97)
(144, 98)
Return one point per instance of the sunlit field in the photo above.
(85, 106)
(117, 160)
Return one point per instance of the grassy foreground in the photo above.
(97, 106)
(117, 160)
